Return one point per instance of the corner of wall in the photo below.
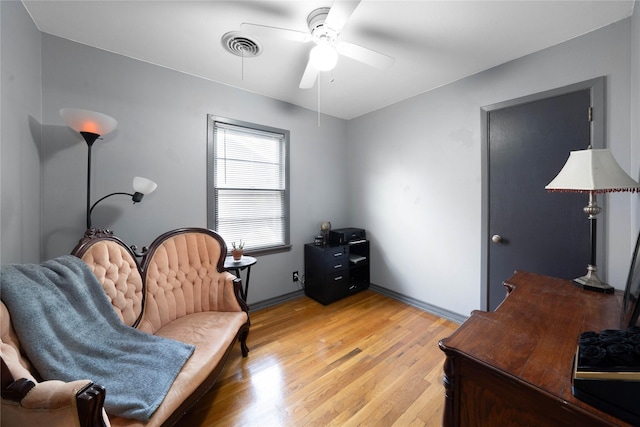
(21, 127)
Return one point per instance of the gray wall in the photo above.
(415, 169)
(20, 233)
(162, 135)
(413, 177)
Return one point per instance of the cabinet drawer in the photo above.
(338, 279)
(336, 259)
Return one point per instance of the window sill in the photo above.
(267, 251)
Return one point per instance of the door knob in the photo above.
(496, 238)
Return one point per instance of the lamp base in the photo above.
(591, 282)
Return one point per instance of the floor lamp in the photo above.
(92, 125)
(592, 171)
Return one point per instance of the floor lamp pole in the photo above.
(90, 137)
(89, 186)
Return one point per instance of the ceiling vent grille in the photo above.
(241, 44)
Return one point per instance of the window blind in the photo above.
(250, 177)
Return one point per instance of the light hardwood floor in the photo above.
(366, 360)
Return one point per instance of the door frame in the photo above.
(596, 89)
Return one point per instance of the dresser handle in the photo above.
(337, 266)
(337, 278)
(337, 254)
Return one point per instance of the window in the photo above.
(248, 184)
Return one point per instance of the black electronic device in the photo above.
(342, 236)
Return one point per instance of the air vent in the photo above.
(241, 44)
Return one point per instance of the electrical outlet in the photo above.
(295, 276)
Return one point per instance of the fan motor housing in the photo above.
(316, 19)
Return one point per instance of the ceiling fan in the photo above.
(325, 25)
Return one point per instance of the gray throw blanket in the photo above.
(70, 331)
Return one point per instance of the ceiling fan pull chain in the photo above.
(319, 75)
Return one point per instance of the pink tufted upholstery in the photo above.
(118, 272)
(182, 278)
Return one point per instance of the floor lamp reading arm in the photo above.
(136, 197)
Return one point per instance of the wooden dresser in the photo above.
(514, 366)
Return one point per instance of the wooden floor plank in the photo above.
(364, 360)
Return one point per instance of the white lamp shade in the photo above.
(592, 170)
(323, 57)
(88, 121)
(143, 185)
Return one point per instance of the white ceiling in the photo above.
(434, 42)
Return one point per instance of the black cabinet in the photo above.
(334, 272)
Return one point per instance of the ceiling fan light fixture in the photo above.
(323, 57)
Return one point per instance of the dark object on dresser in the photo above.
(607, 371)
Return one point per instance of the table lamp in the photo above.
(592, 171)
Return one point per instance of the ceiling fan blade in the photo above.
(281, 33)
(309, 77)
(364, 55)
(339, 14)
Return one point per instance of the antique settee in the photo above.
(179, 291)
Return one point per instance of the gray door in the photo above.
(529, 228)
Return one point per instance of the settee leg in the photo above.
(243, 343)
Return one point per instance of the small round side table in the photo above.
(237, 266)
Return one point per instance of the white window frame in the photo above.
(256, 240)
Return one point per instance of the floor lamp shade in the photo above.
(143, 185)
(88, 121)
(592, 171)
